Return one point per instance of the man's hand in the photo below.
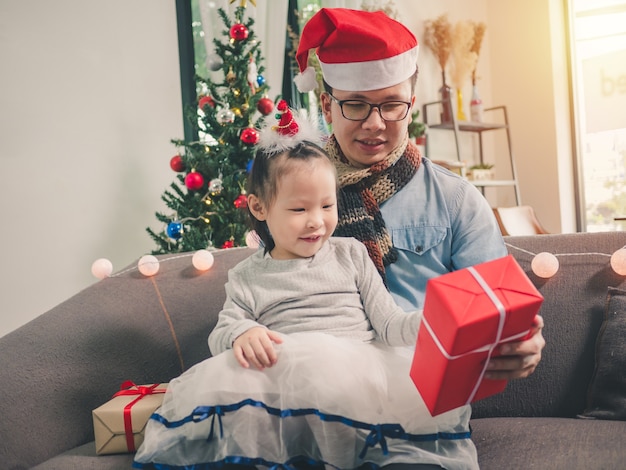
(256, 346)
(518, 359)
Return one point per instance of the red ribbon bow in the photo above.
(129, 388)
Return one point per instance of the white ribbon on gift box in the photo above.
(489, 347)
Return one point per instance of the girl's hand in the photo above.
(256, 346)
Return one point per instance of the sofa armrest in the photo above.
(66, 362)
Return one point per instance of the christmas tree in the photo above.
(207, 200)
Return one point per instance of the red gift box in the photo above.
(467, 314)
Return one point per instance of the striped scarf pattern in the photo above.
(363, 190)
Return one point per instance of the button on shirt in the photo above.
(438, 223)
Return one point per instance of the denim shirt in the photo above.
(438, 222)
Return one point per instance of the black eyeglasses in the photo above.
(357, 110)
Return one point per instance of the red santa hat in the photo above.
(358, 50)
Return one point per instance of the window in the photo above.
(598, 43)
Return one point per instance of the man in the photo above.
(417, 220)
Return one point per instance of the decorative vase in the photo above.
(446, 102)
(476, 106)
(483, 174)
(460, 114)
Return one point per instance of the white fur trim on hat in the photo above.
(306, 81)
(372, 75)
(272, 142)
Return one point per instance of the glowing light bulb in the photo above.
(148, 265)
(618, 261)
(545, 264)
(252, 240)
(202, 260)
(102, 268)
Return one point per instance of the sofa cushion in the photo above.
(84, 458)
(573, 311)
(607, 393)
(554, 443)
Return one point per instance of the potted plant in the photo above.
(417, 129)
(482, 171)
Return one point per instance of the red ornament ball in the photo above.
(250, 136)
(228, 244)
(194, 181)
(239, 32)
(206, 101)
(265, 106)
(241, 202)
(177, 164)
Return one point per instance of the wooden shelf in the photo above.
(469, 126)
(477, 128)
(485, 183)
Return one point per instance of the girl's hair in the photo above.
(266, 170)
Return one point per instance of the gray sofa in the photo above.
(70, 360)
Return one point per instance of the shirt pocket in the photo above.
(418, 240)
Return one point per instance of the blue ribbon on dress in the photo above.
(292, 464)
(378, 432)
(377, 436)
(201, 413)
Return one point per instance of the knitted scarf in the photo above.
(363, 190)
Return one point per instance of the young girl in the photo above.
(310, 361)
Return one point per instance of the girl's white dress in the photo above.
(338, 397)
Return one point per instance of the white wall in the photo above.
(522, 65)
(89, 100)
(529, 75)
(414, 14)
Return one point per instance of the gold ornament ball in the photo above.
(230, 76)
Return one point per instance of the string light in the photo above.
(543, 264)
(102, 268)
(546, 265)
(202, 260)
(148, 265)
(618, 261)
(253, 240)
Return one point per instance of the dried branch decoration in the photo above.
(438, 38)
(479, 33)
(464, 59)
(388, 7)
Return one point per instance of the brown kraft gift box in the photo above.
(119, 424)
